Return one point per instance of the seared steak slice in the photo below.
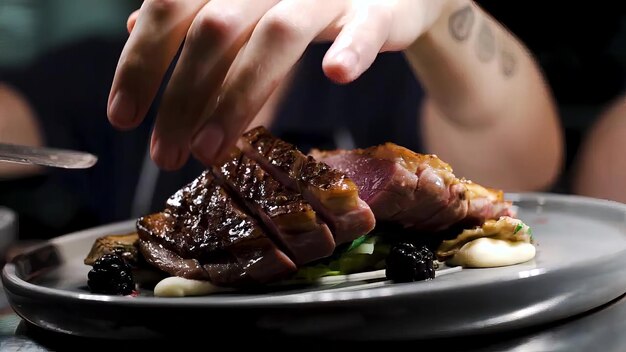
(333, 195)
(415, 190)
(229, 273)
(202, 222)
(170, 262)
(291, 219)
(384, 185)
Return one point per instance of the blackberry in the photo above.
(111, 275)
(407, 263)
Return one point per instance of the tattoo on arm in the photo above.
(460, 25)
(508, 63)
(485, 43)
(461, 22)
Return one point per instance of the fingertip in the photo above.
(206, 144)
(132, 20)
(122, 111)
(167, 157)
(337, 74)
(342, 67)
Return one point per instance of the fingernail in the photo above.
(207, 142)
(348, 59)
(122, 111)
(167, 157)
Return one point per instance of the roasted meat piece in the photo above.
(289, 218)
(415, 190)
(333, 195)
(124, 245)
(170, 262)
(202, 223)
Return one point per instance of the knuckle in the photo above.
(279, 26)
(132, 62)
(161, 8)
(216, 25)
(136, 66)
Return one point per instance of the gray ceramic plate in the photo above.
(579, 266)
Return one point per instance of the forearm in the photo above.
(600, 168)
(487, 98)
(466, 61)
(18, 125)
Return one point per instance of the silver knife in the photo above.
(62, 158)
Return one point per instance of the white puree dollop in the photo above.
(488, 252)
(502, 242)
(180, 287)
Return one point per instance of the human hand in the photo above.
(235, 54)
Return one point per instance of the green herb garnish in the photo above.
(359, 241)
(518, 228)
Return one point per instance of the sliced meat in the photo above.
(170, 262)
(439, 200)
(290, 218)
(227, 273)
(202, 222)
(382, 184)
(415, 190)
(331, 193)
(486, 204)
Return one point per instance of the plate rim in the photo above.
(11, 281)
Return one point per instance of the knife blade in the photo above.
(62, 158)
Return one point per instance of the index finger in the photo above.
(157, 34)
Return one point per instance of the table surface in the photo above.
(602, 329)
